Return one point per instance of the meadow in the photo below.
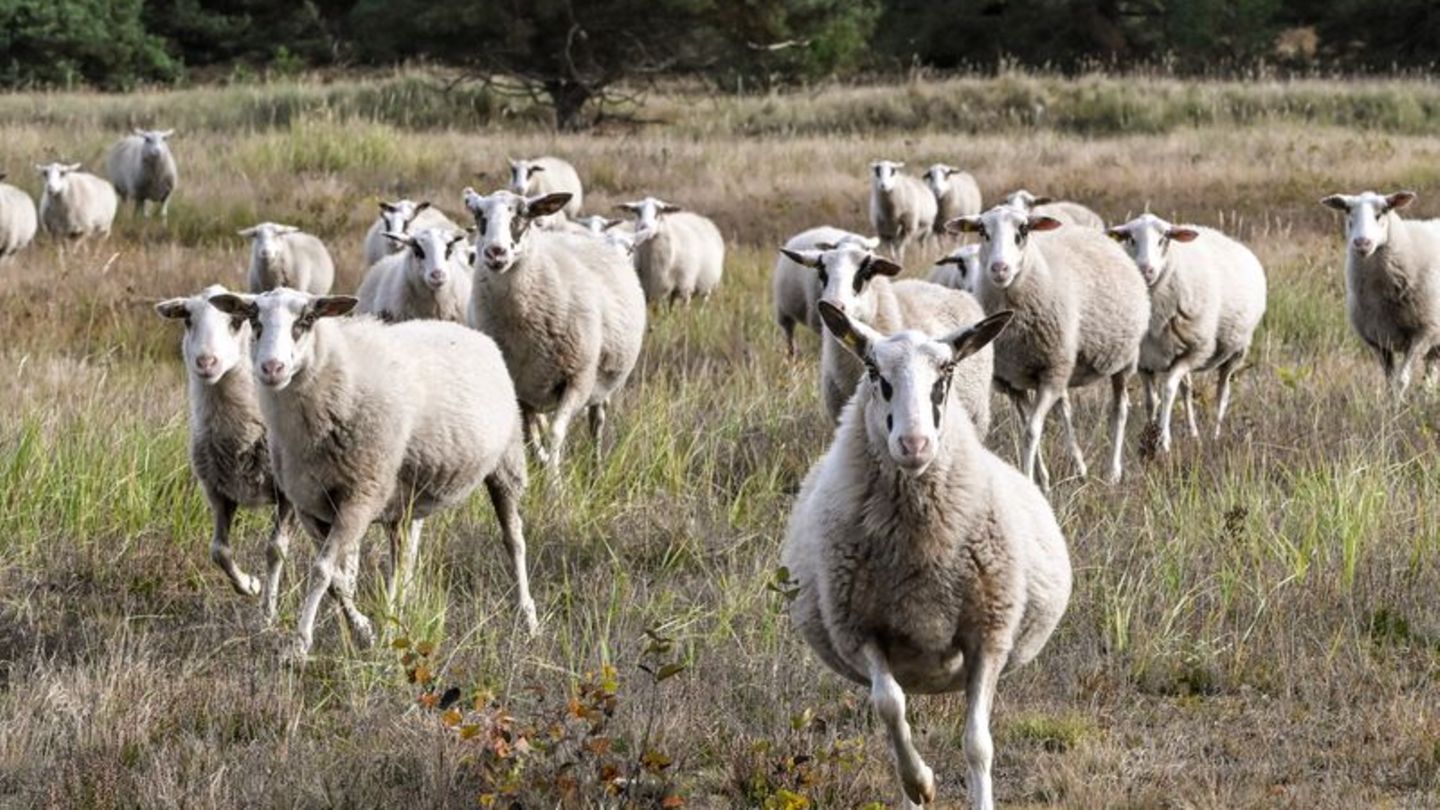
(1254, 621)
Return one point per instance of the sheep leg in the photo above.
(1174, 379)
(1119, 410)
(888, 701)
(404, 551)
(1045, 398)
(788, 327)
(1020, 400)
(506, 486)
(1070, 437)
(325, 570)
(571, 401)
(1147, 383)
(534, 432)
(984, 672)
(597, 413)
(1222, 390)
(1400, 382)
(343, 589)
(275, 553)
(223, 510)
(165, 208)
(140, 207)
(1187, 391)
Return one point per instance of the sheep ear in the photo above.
(632, 207)
(805, 258)
(546, 205)
(870, 242)
(951, 171)
(667, 208)
(455, 238)
(949, 260)
(172, 308)
(969, 224)
(977, 336)
(1182, 234)
(248, 232)
(852, 334)
(400, 239)
(235, 304)
(1043, 223)
(331, 306)
(421, 206)
(387, 207)
(472, 200)
(40, 168)
(1336, 201)
(284, 229)
(1117, 233)
(1399, 199)
(1041, 200)
(165, 133)
(880, 266)
(533, 169)
(4, 175)
(609, 223)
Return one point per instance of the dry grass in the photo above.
(1254, 621)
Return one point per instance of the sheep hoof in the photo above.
(246, 585)
(364, 632)
(296, 654)
(921, 790)
(532, 624)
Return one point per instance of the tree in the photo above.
(65, 42)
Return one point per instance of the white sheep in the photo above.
(596, 223)
(142, 168)
(1392, 281)
(1066, 211)
(540, 176)
(857, 282)
(18, 220)
(285, 256)
(75, 204)
(1207, 296)
(956, 194)
(957, 269)
(229, 453)
(902, 209)
(401, 216)
(923, 562)
(683, 257)
(380, 423)
(796, 289)
(1080, 313)
(429, 278)
(566, 310)
(626, 241)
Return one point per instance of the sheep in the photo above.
(956, 194)
(626, 241)
(1392, 281)
(401, 216)
(683, 258)
(285, 256)
(373, 422)
(921, 561)
(796, 288)
(595, 223)
(75, 204)
(957, 269)
(142, 168)
(428, 279)
(18, 219)
(548, 175)
(855, 280)
(1066, 211)
(1207, 296)
(1080, 313)
(229, 453)
(566, 310)
(902, 209)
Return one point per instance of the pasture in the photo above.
(1254, 621)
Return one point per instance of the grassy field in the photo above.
(1254, 621)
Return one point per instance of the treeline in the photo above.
(574, 53)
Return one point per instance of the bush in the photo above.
(69, 42)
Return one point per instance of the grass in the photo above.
(1253, 620)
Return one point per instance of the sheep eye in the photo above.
(237, 321)
(255, 325)
(984, 234)
(419, 251)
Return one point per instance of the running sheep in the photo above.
(285, 256)
(142, 168)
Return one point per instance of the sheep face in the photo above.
(283, 321)
(908, 375)
(398, 215)
(154, 142)
(884, 174)
(967, 265)
(432, 252)
(1147, 239)
(1366, 225)
(626, 243)
(844, 270)
(522, 173)
(937, 177)
(1004, 235)
(215, 342)
(57, 176)
(266, 240)
(648, 212)
(502, 224)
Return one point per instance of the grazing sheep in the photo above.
(685, 255)
(924, 563)
(1067, 212)
(373, 422)
(142, 168)
(855, 280)
(75, 204)
(429, 278)
(401, 216)
(228, 450)
(956, 194)
(548, 175)
(902, 209)
(1392, 281)
(1080, 313)
(566, 310)
(18, 219)
(1207, 295)
(285, 256)
(958, 269)
(796, 288)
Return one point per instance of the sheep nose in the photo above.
(207, 362)
(1147, 270)
(435, 279)
(272, 368)
(494, 252)
(1361, 243)
(914, 446)
(999, 268)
